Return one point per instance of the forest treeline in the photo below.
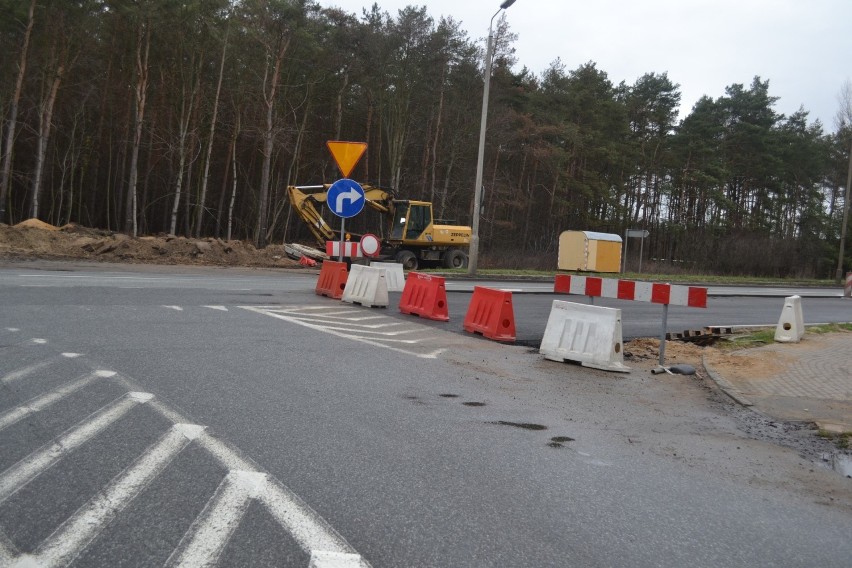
(191, 117)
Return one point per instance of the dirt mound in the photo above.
(35, 239)
(35, 224)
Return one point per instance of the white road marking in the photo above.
(326, 559)
(326, 329)
(66, 542)
(33, 465)
(39, 403)
(176, 308)
(23, 372)
(220, 308)
(8, 551)
(310, 530)
(13, 329)
(374, 331)
(71, 355)
(209, 534)
(38, 341)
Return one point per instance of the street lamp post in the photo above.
(473, 260)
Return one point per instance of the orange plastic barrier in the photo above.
(491, 314)
(332, 279)
(305, 261)
(425, 295)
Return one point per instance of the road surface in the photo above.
(175, 417)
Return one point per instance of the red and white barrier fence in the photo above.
(847, 291)
(656, 293)
(350, 249)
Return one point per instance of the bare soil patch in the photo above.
(35, 239)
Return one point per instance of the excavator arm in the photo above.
(307, 206)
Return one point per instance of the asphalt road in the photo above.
(156, 417)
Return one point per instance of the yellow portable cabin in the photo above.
(588, 250)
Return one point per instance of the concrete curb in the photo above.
(723, 384)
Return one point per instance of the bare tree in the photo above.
(143, 48)
(203, 196)
(13, 113)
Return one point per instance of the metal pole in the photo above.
(342, 237)
(624, 260)
(473, 257)
(845, 224)
(663, 334)
(641, 253)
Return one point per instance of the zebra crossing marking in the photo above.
(349, 328)
(66, 542)
(33, 465)
(209, 534)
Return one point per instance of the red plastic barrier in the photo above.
(305, 261)
(425, 295)
(491, 314)
(332, 279)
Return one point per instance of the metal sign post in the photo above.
(345, 198)
(637, 233)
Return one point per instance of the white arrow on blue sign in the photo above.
(345, 198)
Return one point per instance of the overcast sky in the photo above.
(804, 47)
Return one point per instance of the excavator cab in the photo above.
(411, 219)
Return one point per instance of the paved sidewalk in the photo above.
(810, 380)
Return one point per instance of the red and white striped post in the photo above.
(847, 291)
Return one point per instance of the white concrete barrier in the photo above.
(394, 275)
(366, 286)
(586, 334)
(791, 324)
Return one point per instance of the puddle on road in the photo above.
(841, 463)
(473, 403)
(524, 425)
(557, 441)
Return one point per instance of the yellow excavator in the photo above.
(411, 237)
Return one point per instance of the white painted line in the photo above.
(71, 355)
(23, 372)
(220, 308)
(297, 321)
(210, 532)
(320, 319)
(66, 542)
(374, 331)
(13, 329)
(300, 311)
(39, 403)
(310, 530)
(326, 559)
(33, 465)
(38, 341)
(8, 551)
(176, 308)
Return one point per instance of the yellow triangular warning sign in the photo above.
(346, 154)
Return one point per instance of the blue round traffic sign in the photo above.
(345, 198)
